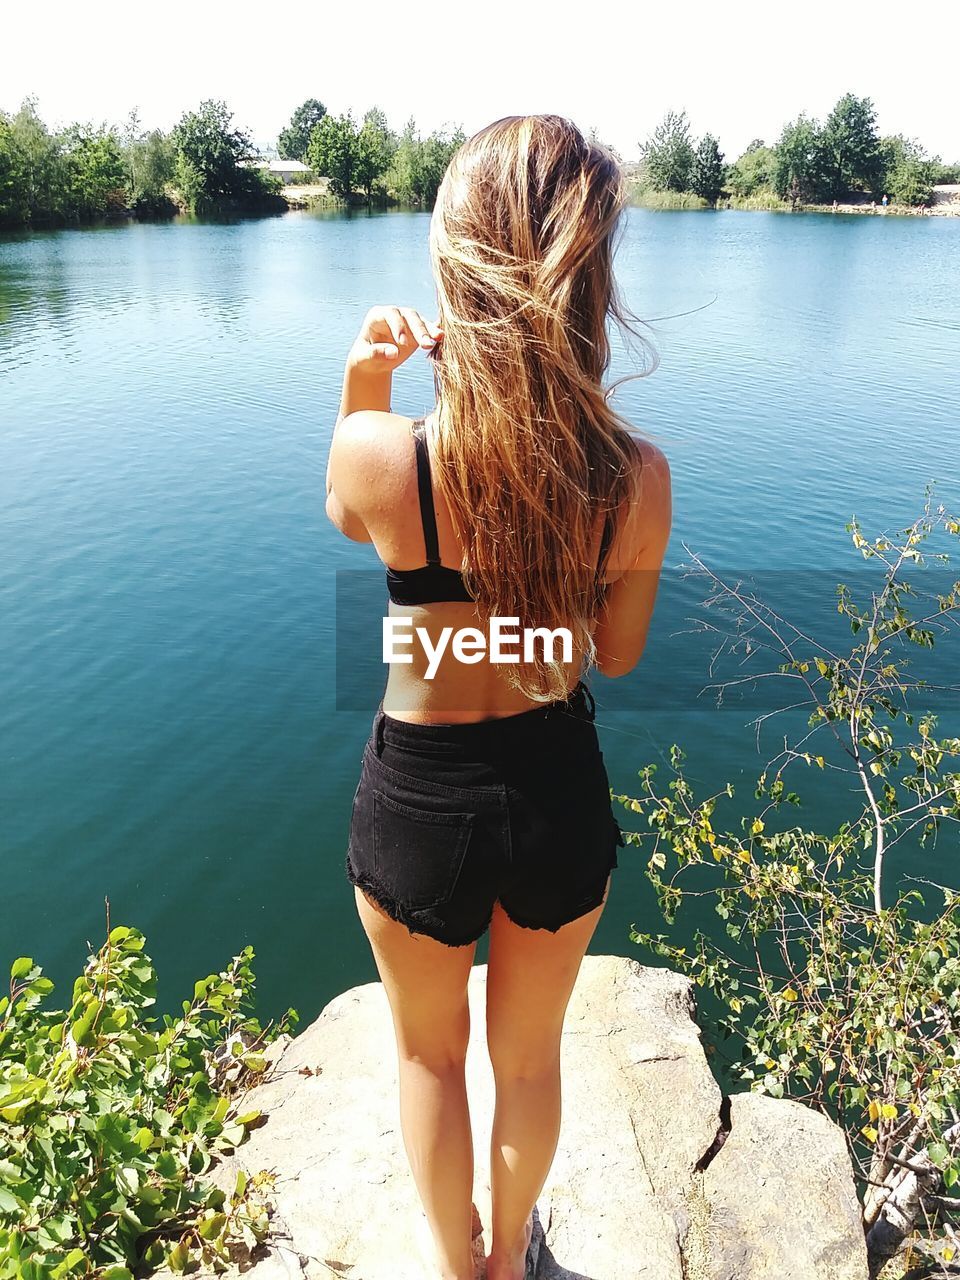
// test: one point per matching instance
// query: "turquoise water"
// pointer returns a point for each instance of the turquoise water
(175, 732)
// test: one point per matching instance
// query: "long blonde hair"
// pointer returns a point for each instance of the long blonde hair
(527, 449)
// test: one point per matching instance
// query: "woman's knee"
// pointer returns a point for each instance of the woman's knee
(514, 1060)
(440, 1046)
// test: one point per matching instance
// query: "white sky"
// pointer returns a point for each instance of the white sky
(740, 69)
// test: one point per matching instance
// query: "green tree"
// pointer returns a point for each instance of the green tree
(13, 206)
(375, 148)
(908, 173)
(210, 156)
(706, 175)
(417, 164)
(799, 171)
(334, 153)
(39, 165)
(668, 154)
(851, 147)
(753, 171)
(436, 152)
(295, 138)
(403, 173)
(95, 172)
(149, 158)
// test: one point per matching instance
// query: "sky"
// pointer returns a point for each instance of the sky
(740, 69)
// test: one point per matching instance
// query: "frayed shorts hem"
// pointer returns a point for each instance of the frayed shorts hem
(416, 924)
(403, 915)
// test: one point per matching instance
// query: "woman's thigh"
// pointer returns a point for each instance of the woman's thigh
(426, 986)
(531, 974)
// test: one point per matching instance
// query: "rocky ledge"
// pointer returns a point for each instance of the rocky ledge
(657, 1176)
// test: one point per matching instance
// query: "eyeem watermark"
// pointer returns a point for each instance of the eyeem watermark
(505, 643)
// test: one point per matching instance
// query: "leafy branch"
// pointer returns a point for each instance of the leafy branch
(828, 994)
(110, 1118)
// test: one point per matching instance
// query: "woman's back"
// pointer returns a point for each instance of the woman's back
(445, 660)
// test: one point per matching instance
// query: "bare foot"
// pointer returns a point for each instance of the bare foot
(511, 1266)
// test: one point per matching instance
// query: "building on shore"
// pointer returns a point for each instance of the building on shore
(286, 170)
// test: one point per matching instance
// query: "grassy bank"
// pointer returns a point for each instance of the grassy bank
(687, 200)
(667, 200)
(768, 202)
(763, 201)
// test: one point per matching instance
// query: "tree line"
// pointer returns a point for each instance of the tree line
(82, 172)
(811, 162)
(367, 156)
(205, 164)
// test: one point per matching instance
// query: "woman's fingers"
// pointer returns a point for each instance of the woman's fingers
(394, 321)
(404, 325)
(422, 332)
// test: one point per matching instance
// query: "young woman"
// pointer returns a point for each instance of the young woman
(483, 800)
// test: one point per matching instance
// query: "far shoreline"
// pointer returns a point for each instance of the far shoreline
(316, 196)
(946, 204)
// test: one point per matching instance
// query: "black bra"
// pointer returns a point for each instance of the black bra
(434, 582)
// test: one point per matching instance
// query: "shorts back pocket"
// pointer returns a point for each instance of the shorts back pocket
(418, 853)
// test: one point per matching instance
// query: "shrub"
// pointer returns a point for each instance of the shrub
(753, 171)
(109, 1119)
(837, 997)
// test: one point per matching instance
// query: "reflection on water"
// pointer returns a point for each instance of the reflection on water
(169, 689)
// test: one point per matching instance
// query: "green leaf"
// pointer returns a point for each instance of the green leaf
(143, 1138)
(128, 1180)
(212, 1227)
(233, 1134)
(83, 1027)
(179, 1256)
(20, 968)
(9, 1202)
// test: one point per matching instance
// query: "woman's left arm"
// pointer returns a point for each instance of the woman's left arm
(387, 338)
(363, 389)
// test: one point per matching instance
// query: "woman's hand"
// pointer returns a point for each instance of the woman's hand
(390, 335)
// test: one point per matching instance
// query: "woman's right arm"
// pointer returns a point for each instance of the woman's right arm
(624, 620)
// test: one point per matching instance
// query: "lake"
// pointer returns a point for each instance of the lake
(176, 732)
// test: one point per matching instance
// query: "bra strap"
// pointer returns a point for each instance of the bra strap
(605, 540)
(428, 517)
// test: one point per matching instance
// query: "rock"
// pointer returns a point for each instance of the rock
(647, 1184)
(807, 1210)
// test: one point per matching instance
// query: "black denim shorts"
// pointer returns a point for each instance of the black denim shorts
(447, 819)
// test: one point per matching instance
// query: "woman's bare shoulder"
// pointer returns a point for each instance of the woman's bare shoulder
(649, 454)
(373, 429)
(372, 448)
(644, 519)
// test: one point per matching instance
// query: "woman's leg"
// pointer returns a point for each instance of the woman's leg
(426, 985)
(530, 977)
